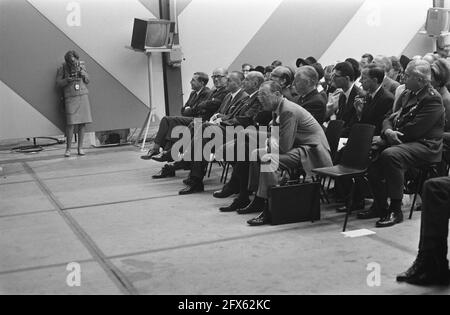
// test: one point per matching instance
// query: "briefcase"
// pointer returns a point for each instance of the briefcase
(294, 203)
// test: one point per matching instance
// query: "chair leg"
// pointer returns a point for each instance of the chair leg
(366, 179)
(422, 176)
(226, 172)
(210, 168)
(350, 205)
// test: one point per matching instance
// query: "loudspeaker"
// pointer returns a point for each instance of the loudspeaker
(154, 33)
(438, 21)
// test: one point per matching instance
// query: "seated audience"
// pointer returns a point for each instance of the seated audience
(234, 111)
(197, 108)
(305, 82)
(302, 143)
(431, 264)
(267, 71)
(411, 137)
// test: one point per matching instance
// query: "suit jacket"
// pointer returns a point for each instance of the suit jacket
(390, 84)
(315, 104)
(245, 114)
(229, 104)
(376, 111)
(420, 119)
(347, 111)
(194, 100)
(301, 135)
(207, 108)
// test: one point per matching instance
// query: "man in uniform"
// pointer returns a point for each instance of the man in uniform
(411, 137)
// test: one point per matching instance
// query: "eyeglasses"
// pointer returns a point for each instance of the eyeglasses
(217, 76)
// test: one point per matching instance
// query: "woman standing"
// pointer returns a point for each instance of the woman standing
(72, 77)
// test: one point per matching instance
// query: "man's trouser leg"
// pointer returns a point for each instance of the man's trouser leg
(435, 215)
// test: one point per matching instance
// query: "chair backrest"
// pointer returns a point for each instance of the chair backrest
(333, 134)
(357, 150)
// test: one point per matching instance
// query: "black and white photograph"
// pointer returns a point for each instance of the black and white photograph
(224, 155)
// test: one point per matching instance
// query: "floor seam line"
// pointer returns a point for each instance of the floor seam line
(113, 273)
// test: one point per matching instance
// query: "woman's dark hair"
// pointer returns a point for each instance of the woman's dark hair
(69, 54)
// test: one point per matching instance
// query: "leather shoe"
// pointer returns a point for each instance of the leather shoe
(257, 205)
(166, 171)
(164, 156)
(259, 220)
(237, 204)
(192, 188)
(391, 219)
(427, 270)
(224, 193)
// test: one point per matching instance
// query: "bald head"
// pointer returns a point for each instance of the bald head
(384, 62)
(220, 77)
(253, 81)
(283, 75)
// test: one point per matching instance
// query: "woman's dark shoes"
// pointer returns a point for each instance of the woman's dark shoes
(224, 193)
(257, 205)
(193, 187)
(164, 156)
(166, 171)
(237, 204)
(391, 219)
(259, 220)
(151, 153)
(427, 269)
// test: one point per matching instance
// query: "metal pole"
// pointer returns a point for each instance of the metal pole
(150, 98)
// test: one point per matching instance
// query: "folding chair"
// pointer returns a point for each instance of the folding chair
(354, 162)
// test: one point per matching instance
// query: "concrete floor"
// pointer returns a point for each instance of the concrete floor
(134, 235)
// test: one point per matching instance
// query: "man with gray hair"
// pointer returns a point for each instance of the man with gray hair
(305, 82)
(410, 137)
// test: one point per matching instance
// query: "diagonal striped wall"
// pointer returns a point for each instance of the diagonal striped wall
(35, 35)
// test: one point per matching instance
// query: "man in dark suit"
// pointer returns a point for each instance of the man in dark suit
(411, 137)
(343, 77)
(378, 101)
(431, 264)
(370, 110)
(305, 82)
(200, 92)
(196, 107)
(239, 179)
(229, 109)
(301, 143)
